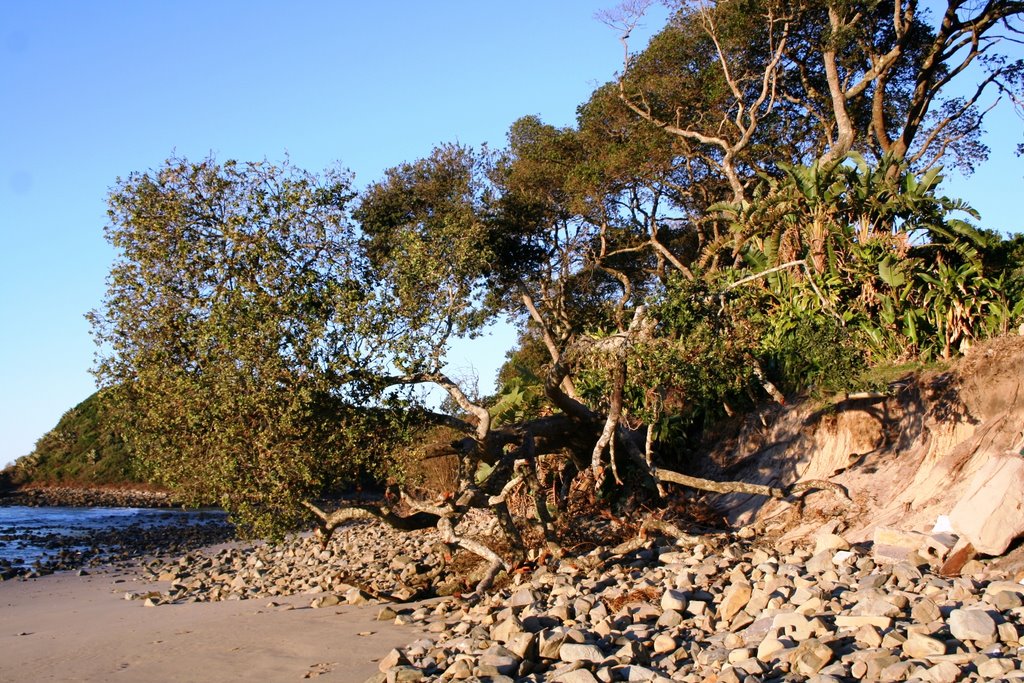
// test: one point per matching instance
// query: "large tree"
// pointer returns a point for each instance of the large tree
(237, 315)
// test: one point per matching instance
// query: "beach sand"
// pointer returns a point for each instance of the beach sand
(66, 627)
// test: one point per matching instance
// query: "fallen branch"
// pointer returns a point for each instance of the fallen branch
(328, 522)
(653, 526)
(446, 528)
(860, 396)
(449, 536)
(795, 491)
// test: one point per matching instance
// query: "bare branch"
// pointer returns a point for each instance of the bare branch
(328, 522)
(796, 490)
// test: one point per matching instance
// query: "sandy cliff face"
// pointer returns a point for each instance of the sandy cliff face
(905, 459)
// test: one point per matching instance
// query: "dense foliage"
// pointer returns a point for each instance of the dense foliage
(752, 210)
(235, 323)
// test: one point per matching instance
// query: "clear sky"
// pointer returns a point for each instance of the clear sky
(90, 91)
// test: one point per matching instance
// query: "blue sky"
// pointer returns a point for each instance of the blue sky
(92, 91)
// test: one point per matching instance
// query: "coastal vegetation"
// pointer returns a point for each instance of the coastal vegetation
(750, 211)
(84, 448)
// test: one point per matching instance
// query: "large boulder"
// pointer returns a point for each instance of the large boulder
(990, 515)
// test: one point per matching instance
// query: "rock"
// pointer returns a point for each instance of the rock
(925, 611)
(669, 618)
(523, 597)
(1003, 587)
(973, 625)
(906, 574)
(1008, 634)
(674, 600)
(671, 557)
(580, 652)
(459, 670)
(1006, 601)
(632, 672)
(795, 624)
(768, 648)
(892, 546)
(920, 646)
(993, 668)
(893, 640)
(329, 600)
(404, 674)
(869, 665)
(504, 664)
(868, 636)
(897, 671)
(630, 651)
(508, 628)
(741, 620)
(729, 675)
(354, 596)
(391, 660)
(972, 567)
(875, 607)
(943, 672)
(962, 553)
(734, 600)
(857, 621)
(386, 614)
(811, 656)
(820, 562)
(832, 542)
(696, 607)
(576, 676)
(990, 514)
(550, 643)
(523, 645)
(664, 643)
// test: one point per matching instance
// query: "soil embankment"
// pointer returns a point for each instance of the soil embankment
(906, 458)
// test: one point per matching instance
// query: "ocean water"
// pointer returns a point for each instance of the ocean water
(38, 534)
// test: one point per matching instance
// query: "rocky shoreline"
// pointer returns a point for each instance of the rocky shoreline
(724, 607)
(78, 496)
(728, 608)
(122, 547)
(89, 549)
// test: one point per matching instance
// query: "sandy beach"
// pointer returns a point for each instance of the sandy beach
(67, 627)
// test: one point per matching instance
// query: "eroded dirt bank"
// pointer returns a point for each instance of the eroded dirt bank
(906, 458)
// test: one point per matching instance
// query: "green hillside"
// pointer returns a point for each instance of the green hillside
(83, 449)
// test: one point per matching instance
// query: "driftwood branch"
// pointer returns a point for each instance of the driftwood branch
(446, 528)
(328, 522)
(796, 490)
(650, 527)
(497, 564)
